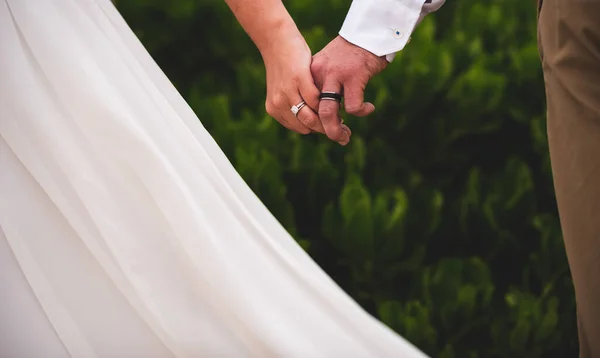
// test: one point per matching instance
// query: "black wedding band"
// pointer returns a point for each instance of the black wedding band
(331, 96)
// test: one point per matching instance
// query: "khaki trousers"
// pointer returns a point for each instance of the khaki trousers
(569, 42)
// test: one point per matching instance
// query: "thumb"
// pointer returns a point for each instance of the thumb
(354, 99)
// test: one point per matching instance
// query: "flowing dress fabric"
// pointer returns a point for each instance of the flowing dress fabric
(124, 230)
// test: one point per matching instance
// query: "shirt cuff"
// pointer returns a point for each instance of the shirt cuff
(382, 27)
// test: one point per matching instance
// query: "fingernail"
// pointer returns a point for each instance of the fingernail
(345, 141)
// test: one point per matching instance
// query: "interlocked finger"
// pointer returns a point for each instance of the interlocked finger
(307, 116)
(291, 122)
(329, 113)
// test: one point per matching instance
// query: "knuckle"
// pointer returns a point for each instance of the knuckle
(327, 111)
(278, 100)
(282, 121)
(309, 121)
(313, 104)
(312, 95)
(317, 65)
(335, 133)
(270, 108)
(275, 102)
(352, 109)
(297, 77)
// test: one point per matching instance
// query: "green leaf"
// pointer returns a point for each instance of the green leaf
(520, 335)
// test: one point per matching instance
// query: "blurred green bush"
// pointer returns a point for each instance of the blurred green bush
(439, 217)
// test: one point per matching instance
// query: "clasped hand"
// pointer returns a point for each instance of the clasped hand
(296, 78)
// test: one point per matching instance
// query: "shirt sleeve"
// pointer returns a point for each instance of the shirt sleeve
(384, 27)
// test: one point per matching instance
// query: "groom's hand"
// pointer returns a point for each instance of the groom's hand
(344, 68)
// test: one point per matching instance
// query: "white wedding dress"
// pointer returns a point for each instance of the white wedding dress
(125, 231)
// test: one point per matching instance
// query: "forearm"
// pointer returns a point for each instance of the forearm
(267, 22)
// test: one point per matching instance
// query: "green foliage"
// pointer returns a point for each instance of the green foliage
(439, 217)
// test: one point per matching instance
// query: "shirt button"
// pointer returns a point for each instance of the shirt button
(398, 34)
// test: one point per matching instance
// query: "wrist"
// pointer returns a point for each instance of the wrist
(373, 61)
(284, 33)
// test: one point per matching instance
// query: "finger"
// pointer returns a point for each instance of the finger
(354, 99)
(329, 114)
(284, 116)
(308, 117)
(346, 129)
(294, 126)
(289, 120)
(347, 135)
(310, 92)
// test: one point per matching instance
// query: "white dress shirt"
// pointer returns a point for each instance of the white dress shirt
(383, 27)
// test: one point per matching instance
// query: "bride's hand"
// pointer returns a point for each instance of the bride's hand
(290, 82)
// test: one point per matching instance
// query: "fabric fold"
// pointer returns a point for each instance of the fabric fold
(128, 223)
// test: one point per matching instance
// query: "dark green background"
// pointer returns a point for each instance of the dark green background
(439, 218)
